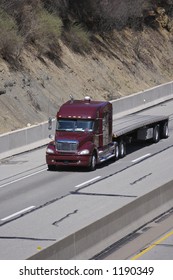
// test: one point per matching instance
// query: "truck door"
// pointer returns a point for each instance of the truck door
(96, 132)
(105, 128)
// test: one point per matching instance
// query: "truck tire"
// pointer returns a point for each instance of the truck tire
(92, 166)
(156, 133)
(122, 149)
(51, 167)
(116, 152)
(165, 130)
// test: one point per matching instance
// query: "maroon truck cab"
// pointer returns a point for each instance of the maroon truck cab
(83, 135)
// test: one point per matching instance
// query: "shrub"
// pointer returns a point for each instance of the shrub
(78, 39)
(46, 31)
(50, 24)
(10, 41)
(101, 15)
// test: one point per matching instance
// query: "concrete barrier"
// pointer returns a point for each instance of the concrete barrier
(142, 100)
(23, 140)
(35, 136)
(94, 238)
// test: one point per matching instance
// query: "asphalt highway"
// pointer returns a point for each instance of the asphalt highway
(26, 185)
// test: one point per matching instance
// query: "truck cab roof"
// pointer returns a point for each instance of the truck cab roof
(85, 109)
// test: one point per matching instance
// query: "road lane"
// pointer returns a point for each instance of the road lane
(21, 178)
(42, 186)
(160, 249)
(152, 242)
(18, 213)
(141, 158)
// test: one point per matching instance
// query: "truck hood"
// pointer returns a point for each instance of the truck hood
(81, 137)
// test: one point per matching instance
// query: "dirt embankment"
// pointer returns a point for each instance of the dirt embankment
(125, 63)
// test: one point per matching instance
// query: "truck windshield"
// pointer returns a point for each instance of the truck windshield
(74, 125)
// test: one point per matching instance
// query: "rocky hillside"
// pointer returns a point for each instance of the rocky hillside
(116, 63)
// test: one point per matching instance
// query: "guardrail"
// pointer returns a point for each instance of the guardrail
(37, 135)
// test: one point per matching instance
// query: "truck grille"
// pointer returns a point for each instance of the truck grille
(66, 146)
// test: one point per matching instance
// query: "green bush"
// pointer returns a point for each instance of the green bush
(51, 24)
(46, 32)
(10, 41)
(78, 39)
(6, 22)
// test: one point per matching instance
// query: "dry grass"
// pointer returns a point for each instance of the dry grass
(46, 32)
(10, 41)
(78, 39)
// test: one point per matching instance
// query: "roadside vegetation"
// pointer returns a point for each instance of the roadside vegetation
(43, 23)
(107, 49)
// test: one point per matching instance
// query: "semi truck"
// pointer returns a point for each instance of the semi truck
(86, 134)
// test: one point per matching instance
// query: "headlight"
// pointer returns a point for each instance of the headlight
(84, 152)
(49, 151)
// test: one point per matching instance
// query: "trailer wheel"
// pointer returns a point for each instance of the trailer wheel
(116, 153)
(156, 134)
(92, 166)
(122, 149)
(165, 130)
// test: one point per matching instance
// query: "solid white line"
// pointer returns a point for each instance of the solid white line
(140, 158)
(89, 181)
(17, 213)
(22, 178)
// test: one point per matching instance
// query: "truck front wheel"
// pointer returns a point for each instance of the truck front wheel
(92, 166)
(51, 167)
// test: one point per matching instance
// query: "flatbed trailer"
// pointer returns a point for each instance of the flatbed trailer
(138, 127)
(129, 123)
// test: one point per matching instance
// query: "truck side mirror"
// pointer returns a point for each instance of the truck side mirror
(50, 123)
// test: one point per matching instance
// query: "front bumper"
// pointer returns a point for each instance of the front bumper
(68, 160)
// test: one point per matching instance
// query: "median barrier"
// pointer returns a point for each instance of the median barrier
(35, 136)
(142, 100)
(23, 140)
(95, 237)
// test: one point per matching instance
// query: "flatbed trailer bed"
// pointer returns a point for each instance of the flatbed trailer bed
(130, 123)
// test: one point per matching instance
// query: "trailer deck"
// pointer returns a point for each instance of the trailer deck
(129, 123)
